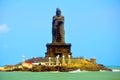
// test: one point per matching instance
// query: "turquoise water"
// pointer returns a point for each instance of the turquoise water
(59, 76)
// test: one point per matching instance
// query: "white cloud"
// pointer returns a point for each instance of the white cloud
(4, 28)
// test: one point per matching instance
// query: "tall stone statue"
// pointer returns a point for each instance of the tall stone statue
(58, 27)
(58, 45)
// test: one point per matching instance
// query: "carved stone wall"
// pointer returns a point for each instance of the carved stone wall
(54, 50)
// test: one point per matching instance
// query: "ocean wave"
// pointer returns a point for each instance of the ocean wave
(75, 71)
(115, 70)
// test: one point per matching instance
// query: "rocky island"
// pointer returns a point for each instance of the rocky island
(41, 64)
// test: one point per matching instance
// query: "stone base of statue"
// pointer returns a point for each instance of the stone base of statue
(58, 49)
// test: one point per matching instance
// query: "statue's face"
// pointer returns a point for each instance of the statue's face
(58, 13)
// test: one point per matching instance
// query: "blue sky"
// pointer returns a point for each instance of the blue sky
(91, 26)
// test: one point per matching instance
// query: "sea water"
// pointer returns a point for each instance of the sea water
(78, 75)
(59, 76)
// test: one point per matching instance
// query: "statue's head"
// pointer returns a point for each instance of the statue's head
(58, 11)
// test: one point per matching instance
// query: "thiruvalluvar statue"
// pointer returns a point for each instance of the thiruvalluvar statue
(58, 27)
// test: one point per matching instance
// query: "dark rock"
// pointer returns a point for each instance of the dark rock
(102, 67)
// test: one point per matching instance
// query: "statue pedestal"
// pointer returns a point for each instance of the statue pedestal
(55, 49)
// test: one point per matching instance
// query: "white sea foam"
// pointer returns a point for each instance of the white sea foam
(103, 70)
(54, 71)
(116, 70)
(78, 70)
